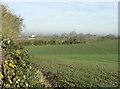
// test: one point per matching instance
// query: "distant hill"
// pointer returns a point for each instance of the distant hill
(50, 34)
(35, 33)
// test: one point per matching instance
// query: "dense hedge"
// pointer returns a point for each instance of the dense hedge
(17, 71)
(56, 42)
(37, 42)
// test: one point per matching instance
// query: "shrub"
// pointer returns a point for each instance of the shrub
(38, 42)
(27, 43)
(17, 71)
(52, 42)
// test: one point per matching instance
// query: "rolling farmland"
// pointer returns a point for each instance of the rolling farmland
(78, 65)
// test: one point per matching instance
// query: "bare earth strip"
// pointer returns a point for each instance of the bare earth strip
(41, 78)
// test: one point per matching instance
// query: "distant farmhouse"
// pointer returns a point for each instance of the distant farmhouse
(33, 36)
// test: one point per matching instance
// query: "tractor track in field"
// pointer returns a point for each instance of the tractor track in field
(48, 78)
(41, 78)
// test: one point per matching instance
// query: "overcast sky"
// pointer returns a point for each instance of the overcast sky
(64, 17)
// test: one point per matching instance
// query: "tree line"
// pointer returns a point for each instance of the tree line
(11, 23)
(70, 38)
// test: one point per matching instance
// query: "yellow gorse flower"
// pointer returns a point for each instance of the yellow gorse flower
(8, 77)
(12, 65)
(14, 79)
(6, 85)
(18, 52)
(6, 62)
(18, 80)
(5, 66)
(18, 86)
(1, 75)
(24, 76)
(11, 61)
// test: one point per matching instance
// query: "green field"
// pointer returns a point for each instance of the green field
(90, 64)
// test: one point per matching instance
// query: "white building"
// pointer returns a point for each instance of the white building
(33, 35)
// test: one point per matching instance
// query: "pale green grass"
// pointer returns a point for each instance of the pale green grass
(91, 64)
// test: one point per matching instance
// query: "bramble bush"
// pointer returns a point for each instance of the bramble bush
(17, 71)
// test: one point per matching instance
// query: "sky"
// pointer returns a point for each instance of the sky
(64, 17)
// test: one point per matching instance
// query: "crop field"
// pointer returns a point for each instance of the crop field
(78, 65)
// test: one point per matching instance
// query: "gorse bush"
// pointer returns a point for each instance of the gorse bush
(16, 68)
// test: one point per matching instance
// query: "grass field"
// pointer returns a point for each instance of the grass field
(90, 64)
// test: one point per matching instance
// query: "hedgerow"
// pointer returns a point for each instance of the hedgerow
(17, 71)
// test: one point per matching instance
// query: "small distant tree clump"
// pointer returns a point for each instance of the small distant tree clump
(109, 36)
